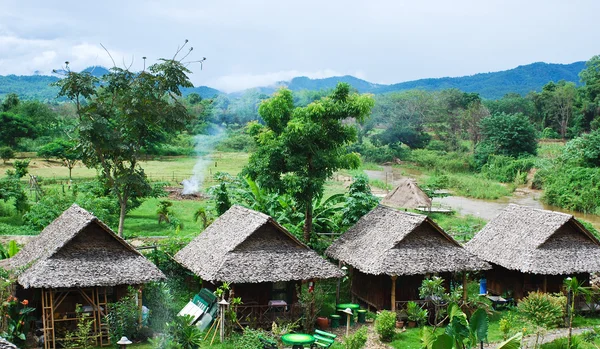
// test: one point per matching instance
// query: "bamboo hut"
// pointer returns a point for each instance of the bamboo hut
(261, 260)
(390, 252)
(77, 259)
(532, 249)
(407, 195)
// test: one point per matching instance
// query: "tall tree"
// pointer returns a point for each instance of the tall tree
(63, 150)
(125, 113)
(299, 148)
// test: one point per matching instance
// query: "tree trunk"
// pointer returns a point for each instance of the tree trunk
(308, 221)
(70, 169)
(122, 216)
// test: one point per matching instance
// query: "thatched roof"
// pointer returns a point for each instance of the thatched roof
(392, 242)
(537, 241)
(78, 250)
(407, 195)
(245, 246)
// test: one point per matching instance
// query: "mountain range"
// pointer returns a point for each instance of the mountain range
(522, 80)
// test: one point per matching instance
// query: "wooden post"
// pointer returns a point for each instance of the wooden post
(394, 277)
(545, 283)
(465, 287)
(140, 309)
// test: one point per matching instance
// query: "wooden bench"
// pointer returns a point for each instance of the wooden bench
(323, 339)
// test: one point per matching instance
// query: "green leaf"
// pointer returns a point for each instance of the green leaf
(479, 325)
(513, 342)
(443, 341)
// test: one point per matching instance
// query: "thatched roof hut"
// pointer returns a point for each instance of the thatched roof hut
(78, 250)
(245, 246)
(392, 242)
(407, 195)
(388, 247)
(538, 242)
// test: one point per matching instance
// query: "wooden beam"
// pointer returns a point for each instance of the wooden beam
(394, 277)
(465, 284)
(545, 283)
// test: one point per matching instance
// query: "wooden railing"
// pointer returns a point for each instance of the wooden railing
(262, 316)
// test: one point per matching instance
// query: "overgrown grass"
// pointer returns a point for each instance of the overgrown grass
(462, 228)
(378, 183)
(471, 185)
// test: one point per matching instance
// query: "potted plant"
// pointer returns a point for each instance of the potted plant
(415, 314)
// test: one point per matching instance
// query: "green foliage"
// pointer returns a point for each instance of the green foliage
(250, 338)
(123, 316)
(125, 114)
(159, 298)
(163, 211)
(180, 334)
(21, 168)
(357, 340)
(460, 332)
(237, 140)
(385, 325)
(508, 134)
(415, 313)
(221, 196)
(6, 153)
(507, 169)
(14, 128)
(473, 186)
(16, 317)
(299, 148)
(583, 151)
(358, 202)
(12, 190)
(10, 250)
(63, 150)
(452, 162)
(311, 303)
(573, 188)
(82, 337)
(543, 310)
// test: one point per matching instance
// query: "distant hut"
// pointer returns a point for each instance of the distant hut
(532, 249)
(261, 260)
(407, 195)
(390, 252)
(77, 259)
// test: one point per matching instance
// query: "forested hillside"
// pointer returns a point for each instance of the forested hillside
(521, 80)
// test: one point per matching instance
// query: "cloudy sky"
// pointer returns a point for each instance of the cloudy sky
(256, 43)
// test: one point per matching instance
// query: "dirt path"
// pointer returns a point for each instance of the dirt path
(529, 341)
(373, 341)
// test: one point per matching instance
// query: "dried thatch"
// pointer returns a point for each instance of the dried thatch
(537, 241)
(392, 242)
(407, 195)
(78, 250)
(245, 246)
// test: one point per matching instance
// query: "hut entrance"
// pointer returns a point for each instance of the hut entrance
(59, 316)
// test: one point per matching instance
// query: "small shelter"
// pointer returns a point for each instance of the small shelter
(77, 259)
(390, 252)
(261, 260)
(532, 249)
(407, 195)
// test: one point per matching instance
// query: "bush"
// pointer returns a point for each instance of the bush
(159, 299)
(250, 339)
(6, 153)
(542, 309)
(573, 188)
(357, 340)
(453, 162)
(506, 169)
(123, 316)
(550, 133)
(385, 325)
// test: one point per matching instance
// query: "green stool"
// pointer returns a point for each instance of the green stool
(362, 316)
(335, 321)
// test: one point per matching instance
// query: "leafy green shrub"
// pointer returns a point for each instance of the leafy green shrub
(506, 169)
(584, 150)
(573, 188)
(357, 340)
(385, 325)
(437, 145)
(82, 337)
(542, 309)
(237, 141)
(378, 154)
(6, 153)
(453, 162)
(415, 313)
(123, 316)
(16, 318)
(550, 133)
(157, 296)
(250, 339)
(476, 187)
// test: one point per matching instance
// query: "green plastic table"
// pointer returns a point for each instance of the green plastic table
(297, 340)
(342, 306)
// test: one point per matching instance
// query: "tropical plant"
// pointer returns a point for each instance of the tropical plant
(123, 316)
(415, 313)
(250, 339)
(10, 250)
(6, 153)
(82, 337)
(311, 301)
(464, 334)
(164, 211)
(359, 201)
(542, 310)
(385, 325)
(16, 316)
(575, 289)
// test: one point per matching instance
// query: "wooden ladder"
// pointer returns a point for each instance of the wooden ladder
(103, 328)
(48, 318)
